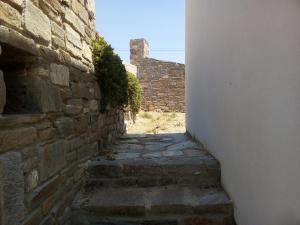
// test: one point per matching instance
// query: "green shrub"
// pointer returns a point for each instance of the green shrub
(135, 94)
(111, 74)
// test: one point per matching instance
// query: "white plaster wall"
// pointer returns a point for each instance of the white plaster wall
(131, 68)
(243, 101)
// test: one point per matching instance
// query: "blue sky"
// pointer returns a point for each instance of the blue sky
(161, 22)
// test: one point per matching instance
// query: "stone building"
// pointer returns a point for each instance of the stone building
(49, 100)
(163, 82)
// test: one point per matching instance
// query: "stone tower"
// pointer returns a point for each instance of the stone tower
(139, 50)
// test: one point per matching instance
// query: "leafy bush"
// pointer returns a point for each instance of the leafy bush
(135, 94)
(111, 74)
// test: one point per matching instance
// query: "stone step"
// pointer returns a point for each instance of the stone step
(202, 171)
(205, 219)
(169, 204)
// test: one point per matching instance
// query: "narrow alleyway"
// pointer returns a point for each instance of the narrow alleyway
(164, 179)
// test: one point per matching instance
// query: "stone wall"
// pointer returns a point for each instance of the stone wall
(49, 99)
(163, 82)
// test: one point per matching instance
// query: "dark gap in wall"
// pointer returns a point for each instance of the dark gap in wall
(13, 64)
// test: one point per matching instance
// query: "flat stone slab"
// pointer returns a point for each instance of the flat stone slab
(168, 200)
(128, 155)
(162, 149)
(12, 188)
(145, 146)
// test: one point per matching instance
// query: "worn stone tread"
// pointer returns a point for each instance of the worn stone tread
(155, 160)
(206, 219)
(153, 201)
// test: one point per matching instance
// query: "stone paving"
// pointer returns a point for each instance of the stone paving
(154, 179)
(143, 147)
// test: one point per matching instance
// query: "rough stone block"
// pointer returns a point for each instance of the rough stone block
(41, 193)
(80, 90)
(34, 218)
(30, 164)
(57, 30)
(72, 110)
(49, 221)
(46, 96)
(15, 138)
(76, 52)
(36, 22)
(73, 37)
(76, 102)
(57, 42)
(79, 174)
(52, 158)
(75, 6)
(2, 92)
(50, 54)
(74, 21)
(29, 152)
(71, 156)
(51, 8)
(65, 126)
(47, 134)
(10, 15)
(12, 180)
(76, 143)
(17, 40)
(1, 197)
(91, 7)
(59, 74)
(65, 218)
(44, 125)
(83, 14)
(87, 52)
(82, 1)
(38, 69)
(18, 3)
(205, 221)
(89, 35)
(78, 64)
(48, 204)
(73, 44)
(32, 180)
(94, 105)
(84, 152)
(81, 125)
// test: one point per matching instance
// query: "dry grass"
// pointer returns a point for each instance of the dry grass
(158, 123)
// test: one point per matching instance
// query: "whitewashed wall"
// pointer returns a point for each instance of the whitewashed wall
(243, 101)
(131, 68)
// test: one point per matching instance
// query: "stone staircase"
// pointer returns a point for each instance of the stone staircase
(154, 180)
